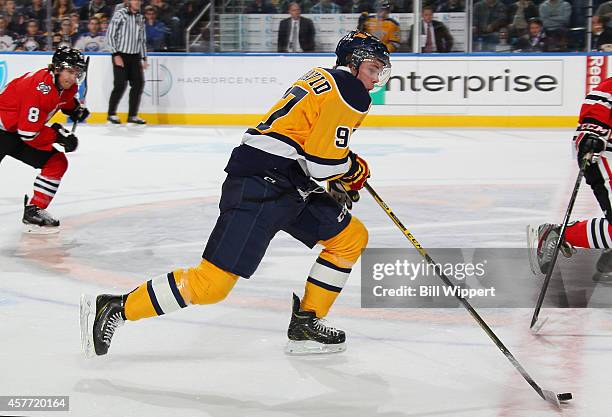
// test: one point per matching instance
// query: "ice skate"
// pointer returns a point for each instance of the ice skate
(136, 121)
(541, 241)
(309, 334)
(113, 120)
(37, 220)
(100, 318)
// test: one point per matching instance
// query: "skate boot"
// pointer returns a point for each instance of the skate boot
(604, 267)
(309, 334)
(113, 120)
(604, 263)
(136, 121)
(100, 318)
(541, 243)
(37, 220)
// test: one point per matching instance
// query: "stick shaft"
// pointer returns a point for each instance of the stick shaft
(462, 300)
(568, 213)
(74, 122)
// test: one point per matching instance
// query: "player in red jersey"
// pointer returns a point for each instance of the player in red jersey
(26, 105)
(592, 137)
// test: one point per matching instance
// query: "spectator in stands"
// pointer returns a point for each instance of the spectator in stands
(503, 44)
(604, 9)
(604, 38)
(103, 19)
(283, 5)
(66, 36)
(33, 40)
(489, 17)
(10, 8)
(362, 6)
(92, 41)
(18, 23)
(76, 23)
(381, 25)
(296, 33)
(36, 10)
(325, 7)
(120, 5)
(94, 7)
(535, 40)
(435, 36)
(555, 14)
(260, 7)
(402, 6)
(602, 34)
(167, 15)
(345, 5)
(79, 4)
(451, 6)
(15, 18)
(7, 39)
(520, 14)
(188, 11)
(62, 9)
(156, 30)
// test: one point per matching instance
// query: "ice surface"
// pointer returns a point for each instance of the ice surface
(137, 203)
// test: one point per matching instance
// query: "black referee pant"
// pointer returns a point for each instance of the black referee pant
(131, 71)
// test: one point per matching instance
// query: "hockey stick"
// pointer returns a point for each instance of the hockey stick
(74, 122)
(549, 396)
(568, 212)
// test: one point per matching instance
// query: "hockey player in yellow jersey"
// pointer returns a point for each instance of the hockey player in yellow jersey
(269, 187)
(381, 25)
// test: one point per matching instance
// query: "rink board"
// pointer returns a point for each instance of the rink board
(450, 90)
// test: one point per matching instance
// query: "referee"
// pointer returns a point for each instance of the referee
(127, 41)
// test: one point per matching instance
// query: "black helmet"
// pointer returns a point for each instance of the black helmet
(67, 57)
(358, 46)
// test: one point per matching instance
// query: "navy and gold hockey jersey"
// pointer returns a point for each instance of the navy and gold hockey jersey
(311, 124)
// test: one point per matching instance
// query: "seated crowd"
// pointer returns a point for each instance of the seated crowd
(498, 25)
(530, 26)
(83, 24)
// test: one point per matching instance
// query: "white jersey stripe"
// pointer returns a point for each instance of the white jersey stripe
(589, 234)
(279, 148)
(605, 104)
(602, 94)
(601, 233)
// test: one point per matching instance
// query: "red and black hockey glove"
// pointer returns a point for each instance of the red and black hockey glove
(65, 138)
(591, 138)
(357, 175)
(79, 113)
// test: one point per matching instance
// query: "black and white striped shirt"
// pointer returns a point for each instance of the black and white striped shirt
(126, 33)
